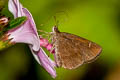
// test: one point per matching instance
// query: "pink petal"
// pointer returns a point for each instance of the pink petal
(47, 63)
(27, 33)
(12, 7)
(15, 8)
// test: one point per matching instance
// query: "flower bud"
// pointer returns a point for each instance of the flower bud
(3, 22)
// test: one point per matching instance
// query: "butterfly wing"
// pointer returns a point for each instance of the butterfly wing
(72, 51)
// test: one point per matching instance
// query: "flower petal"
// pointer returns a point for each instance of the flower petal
(28, 14)
(47, 63)
(27, 33)
(12, 7)
(15, 8)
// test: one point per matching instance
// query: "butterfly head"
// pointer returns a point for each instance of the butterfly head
(55, 29)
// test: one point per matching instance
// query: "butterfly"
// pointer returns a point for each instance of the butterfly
(71, 51)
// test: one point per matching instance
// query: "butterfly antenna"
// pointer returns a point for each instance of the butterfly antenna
(56, 22)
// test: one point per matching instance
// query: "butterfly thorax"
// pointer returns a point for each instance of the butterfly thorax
(55, 34)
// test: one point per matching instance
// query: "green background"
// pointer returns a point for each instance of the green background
(96, 20)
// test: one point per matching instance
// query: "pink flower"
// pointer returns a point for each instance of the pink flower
(27, 33)
(44, 43)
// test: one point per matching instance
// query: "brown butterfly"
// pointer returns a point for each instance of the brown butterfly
(71, 51)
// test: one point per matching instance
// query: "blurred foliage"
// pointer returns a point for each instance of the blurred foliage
(96, 20)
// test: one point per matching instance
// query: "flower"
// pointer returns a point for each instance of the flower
(27, 33)
(3, 21)
(44, 43)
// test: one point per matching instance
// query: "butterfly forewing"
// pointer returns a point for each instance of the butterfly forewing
(72, 51)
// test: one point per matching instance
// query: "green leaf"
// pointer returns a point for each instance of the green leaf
(16, 22)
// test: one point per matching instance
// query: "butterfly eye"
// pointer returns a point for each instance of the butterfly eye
(55, 29)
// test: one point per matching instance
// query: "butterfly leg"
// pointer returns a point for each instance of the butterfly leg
(44, 33)
(52, 49)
